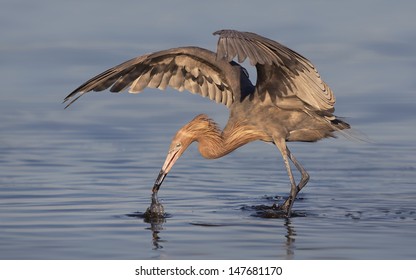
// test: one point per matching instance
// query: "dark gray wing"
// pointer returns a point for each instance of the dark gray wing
(189, 68)
(282, 74)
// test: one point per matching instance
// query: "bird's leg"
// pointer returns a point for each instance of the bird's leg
(305, 176)
(303, 181)
(286, 154)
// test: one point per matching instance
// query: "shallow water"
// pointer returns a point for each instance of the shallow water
(74, 183)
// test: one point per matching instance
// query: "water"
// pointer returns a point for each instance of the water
(74, 183)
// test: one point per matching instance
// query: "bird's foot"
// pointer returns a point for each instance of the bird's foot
(274, 211)
(285, 207)
(281, 209)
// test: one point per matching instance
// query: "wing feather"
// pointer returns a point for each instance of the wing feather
(281, 72)
(189, 68)
(140, 83)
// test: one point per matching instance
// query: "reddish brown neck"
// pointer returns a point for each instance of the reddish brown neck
(215, 144)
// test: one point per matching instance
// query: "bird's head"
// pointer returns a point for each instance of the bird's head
(180, 142)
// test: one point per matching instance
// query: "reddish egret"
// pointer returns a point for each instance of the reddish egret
(290, 101)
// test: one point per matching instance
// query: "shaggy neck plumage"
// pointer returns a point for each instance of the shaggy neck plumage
(214, 143)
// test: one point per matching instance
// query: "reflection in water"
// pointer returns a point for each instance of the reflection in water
(155, 216)
(290, 239)
(156, 228)
(273, 212)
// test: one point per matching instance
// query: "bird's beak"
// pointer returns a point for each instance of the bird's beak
(171, 158)
(159, 180)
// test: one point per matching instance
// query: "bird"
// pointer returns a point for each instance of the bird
(289, 101)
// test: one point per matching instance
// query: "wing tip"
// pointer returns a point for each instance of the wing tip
(219, 32)
(72, 97)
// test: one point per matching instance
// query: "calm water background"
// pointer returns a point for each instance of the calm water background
(74, 182)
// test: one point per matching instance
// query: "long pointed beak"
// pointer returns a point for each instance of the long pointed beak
(171, 158)
(159, 181)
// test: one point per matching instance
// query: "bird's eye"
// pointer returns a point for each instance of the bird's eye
(178, 145)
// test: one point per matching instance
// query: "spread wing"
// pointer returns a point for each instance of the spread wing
(189, 68)
(286, 76)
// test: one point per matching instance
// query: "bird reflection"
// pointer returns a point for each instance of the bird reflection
(290, 239)
(274, 212)
(156, 240)
(155, 215)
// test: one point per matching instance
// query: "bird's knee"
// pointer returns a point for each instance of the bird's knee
(303, 181)
(305, 177)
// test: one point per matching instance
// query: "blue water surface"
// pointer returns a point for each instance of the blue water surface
(74, 183)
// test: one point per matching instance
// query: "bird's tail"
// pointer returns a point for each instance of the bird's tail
(339, 124)
(342, 127)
